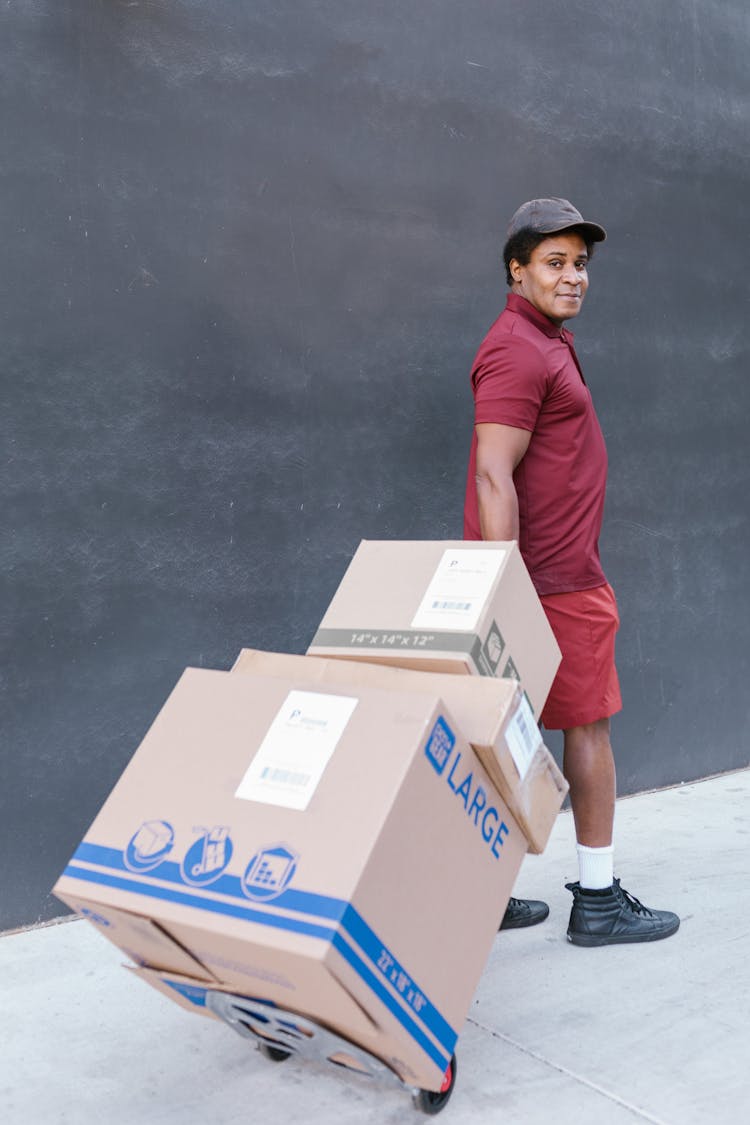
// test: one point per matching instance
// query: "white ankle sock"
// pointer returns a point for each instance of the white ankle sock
(595, 867)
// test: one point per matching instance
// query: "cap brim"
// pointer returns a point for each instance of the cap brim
(592, 230)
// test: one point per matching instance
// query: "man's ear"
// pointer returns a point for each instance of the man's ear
(515, 269)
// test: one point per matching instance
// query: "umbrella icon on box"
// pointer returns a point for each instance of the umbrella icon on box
(150, 845)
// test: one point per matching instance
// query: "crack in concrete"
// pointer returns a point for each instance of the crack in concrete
(609, 1094)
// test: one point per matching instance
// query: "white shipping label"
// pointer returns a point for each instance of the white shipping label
(296, 749)
(459, 589)
(523, 737)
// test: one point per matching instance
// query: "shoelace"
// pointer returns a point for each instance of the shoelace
(631, 901)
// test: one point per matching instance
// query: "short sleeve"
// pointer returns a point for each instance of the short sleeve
(509, 380)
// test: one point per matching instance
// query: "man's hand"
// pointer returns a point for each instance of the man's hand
(499, 451)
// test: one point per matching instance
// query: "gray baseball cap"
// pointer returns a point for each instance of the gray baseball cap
(548, 216)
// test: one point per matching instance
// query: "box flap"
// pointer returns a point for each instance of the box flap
(147, 943)
(478, 704)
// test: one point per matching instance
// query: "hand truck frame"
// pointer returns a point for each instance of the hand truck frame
(278, 1034)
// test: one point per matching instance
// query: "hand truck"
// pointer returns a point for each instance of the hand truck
(278, 1034)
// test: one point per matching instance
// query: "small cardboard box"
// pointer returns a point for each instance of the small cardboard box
(449, 606)
(493, 715)
(341, 853)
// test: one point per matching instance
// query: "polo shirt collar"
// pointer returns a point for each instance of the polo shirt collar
(524, 308)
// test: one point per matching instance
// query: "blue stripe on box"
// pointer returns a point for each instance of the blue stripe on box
(191, 992)
(199, 902)
(304, 902)
(392, 971)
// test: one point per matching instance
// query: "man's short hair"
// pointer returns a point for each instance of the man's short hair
(524, 242)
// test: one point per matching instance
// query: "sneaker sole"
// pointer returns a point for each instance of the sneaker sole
(522, 925)
(590, 940)
(533, 920)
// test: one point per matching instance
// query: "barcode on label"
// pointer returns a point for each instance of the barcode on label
(459, 607)
(525, 731)
(523, 738)
(285, 777)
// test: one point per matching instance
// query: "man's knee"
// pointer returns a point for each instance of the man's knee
(589, 735)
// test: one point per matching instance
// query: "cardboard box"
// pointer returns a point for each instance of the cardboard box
(340, 853)
(493, 715)
(449, 606)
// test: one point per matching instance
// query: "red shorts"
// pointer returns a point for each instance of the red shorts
(586, 687)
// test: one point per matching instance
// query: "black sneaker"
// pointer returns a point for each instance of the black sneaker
(613, 917)
(522, 912)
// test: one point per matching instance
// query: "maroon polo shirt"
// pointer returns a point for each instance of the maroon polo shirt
(526, 374)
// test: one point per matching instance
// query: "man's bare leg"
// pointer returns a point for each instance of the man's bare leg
(589, 766)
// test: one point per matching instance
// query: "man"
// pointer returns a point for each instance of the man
(537, 473)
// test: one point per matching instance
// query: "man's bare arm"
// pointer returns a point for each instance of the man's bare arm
(499, 451)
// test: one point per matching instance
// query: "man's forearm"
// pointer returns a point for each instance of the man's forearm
(498, 507)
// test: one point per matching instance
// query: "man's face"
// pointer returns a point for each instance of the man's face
(555, 280)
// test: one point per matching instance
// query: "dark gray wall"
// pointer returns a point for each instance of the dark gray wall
(249, 249)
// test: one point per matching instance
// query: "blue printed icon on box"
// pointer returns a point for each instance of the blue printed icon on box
(206, 859)
(439, 744)
(151, 844)
(269, 872)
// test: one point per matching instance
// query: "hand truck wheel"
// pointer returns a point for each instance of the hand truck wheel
(432, 1101)
(273, 1054)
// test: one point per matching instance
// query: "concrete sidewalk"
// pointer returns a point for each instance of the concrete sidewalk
(657, 1033)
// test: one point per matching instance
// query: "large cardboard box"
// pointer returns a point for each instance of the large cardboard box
(341, 853)
(448, 606)
(492, 714)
